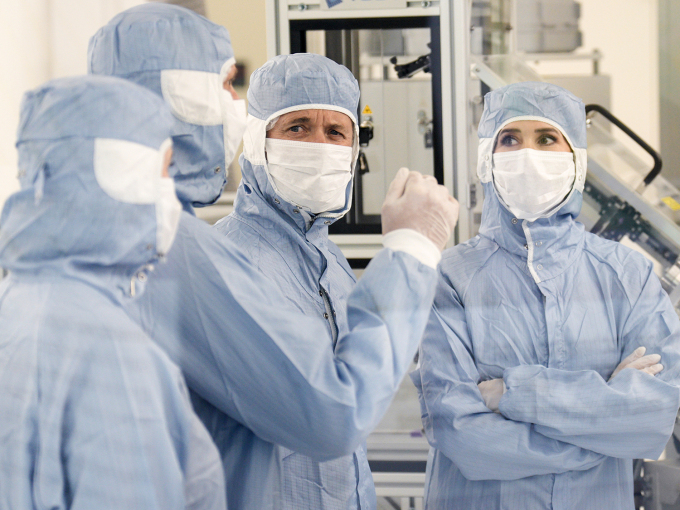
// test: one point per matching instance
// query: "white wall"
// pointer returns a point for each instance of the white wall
(669, 88)
(626, 32)
(24, 40)
(41, 40)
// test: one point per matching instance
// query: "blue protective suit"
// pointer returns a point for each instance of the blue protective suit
(552, 310)
(258, 374)
(137, 45)
(94, 414)
(292, 250)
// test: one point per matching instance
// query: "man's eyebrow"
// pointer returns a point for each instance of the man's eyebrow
(298, 120)
(339, 127)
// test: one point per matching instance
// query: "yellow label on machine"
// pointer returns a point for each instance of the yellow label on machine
(367, 110)
(672, 203)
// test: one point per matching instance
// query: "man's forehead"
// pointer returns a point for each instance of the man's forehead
(314, 114)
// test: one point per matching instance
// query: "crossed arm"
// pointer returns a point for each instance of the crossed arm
(549, 421)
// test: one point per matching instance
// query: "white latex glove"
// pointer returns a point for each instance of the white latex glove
(419, 203)
(492, 391)
(637, 360)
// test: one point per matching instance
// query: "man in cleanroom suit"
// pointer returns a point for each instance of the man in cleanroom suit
(94, 414)
(258, 374)
(300, 149)
(189, 61)
(531, 393)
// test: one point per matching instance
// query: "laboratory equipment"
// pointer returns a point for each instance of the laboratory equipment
(659, 481)
(404, 54)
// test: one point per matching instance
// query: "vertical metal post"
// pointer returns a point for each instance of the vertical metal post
(455, 17)
(271, 9)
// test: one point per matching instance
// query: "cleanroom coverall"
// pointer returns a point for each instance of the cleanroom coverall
(291, 248)
(258, 373)
(94, 415)
(565, 436)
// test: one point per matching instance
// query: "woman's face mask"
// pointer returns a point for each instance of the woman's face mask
(533, 168)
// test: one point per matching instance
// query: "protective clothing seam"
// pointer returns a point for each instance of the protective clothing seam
(350, 273)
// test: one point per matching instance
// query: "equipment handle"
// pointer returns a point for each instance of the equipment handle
(656, 169)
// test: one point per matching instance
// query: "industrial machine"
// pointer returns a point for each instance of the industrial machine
(404, 55)
(658, 482)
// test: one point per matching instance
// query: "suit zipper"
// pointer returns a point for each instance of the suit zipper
(329, 314)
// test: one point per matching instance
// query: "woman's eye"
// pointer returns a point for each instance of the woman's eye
(546, 140)
(508, 140)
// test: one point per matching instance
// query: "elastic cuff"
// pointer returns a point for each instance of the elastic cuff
(415, 244)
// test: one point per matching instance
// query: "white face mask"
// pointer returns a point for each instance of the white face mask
(199, 98)
(533, 183)
(313, 176)
(131, 173)
(168, 212)
(234, 125)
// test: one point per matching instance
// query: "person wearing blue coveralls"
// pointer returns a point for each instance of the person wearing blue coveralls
(94, 414)
(259, 375)
(300, 150)
(533, 386)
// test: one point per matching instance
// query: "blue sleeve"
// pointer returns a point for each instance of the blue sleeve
(633, 415)
(261, 363)
(484, 445)
(204, 476)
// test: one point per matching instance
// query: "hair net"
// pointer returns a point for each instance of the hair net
(291, 81)
(142, 42)
(63, 216)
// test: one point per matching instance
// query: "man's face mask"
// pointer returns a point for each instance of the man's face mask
(199, 98)
(132, 173)
(532, 183)
(313, 176)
